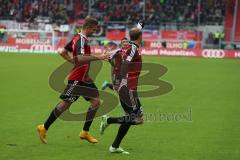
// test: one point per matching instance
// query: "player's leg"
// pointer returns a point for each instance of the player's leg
(133, 113)
(91, 96)
(131, 105)
(56, 112)
(92, 110)
(128, 119)
(67, 99)
(133, 117)
(122, 131)
(125, 121)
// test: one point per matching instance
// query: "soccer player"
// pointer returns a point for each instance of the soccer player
(79, 81)
(115, 60)
(130, 71)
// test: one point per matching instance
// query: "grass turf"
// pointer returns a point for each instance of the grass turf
(208, 87)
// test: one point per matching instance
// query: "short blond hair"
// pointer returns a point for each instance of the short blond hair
(135, 33)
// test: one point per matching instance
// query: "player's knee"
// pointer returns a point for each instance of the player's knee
(139, 120)
(137, 123)
(63, 105)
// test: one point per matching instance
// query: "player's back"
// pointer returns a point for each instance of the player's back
(134, 60)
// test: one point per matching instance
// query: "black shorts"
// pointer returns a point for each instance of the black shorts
(131, 103)
(75, 89)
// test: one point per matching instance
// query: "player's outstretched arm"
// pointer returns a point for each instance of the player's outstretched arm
(113, 55)
(84, 58)
(65, 55)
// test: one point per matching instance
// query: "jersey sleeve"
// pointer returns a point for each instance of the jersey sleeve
(114, 53)
(68, 47)
(80, 46)
(131, 53)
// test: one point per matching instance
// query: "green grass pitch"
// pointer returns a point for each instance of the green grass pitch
(210, 88)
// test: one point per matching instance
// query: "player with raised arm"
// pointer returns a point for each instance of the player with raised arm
(117, 58)
(79, 81)
(130, 71)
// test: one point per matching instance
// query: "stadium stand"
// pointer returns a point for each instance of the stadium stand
(156, 11)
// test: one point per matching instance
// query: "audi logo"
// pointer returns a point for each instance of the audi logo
(237, 54)
(42, 48)
(212, 53)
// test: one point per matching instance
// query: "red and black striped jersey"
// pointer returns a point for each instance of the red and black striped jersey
(79, 46)
(134, 61)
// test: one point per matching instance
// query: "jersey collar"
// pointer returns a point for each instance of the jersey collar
(131, 42)
(82, 35)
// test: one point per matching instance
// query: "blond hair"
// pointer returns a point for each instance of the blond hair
(135, 33)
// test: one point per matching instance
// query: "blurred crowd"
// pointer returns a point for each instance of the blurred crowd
(210, 11)
(154, 12)
(163, 11)
(60, 11)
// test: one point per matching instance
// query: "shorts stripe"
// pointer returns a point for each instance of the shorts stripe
(71, 88)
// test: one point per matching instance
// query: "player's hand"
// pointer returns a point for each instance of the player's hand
(104, 56)
(71, 61)
(140, 24)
